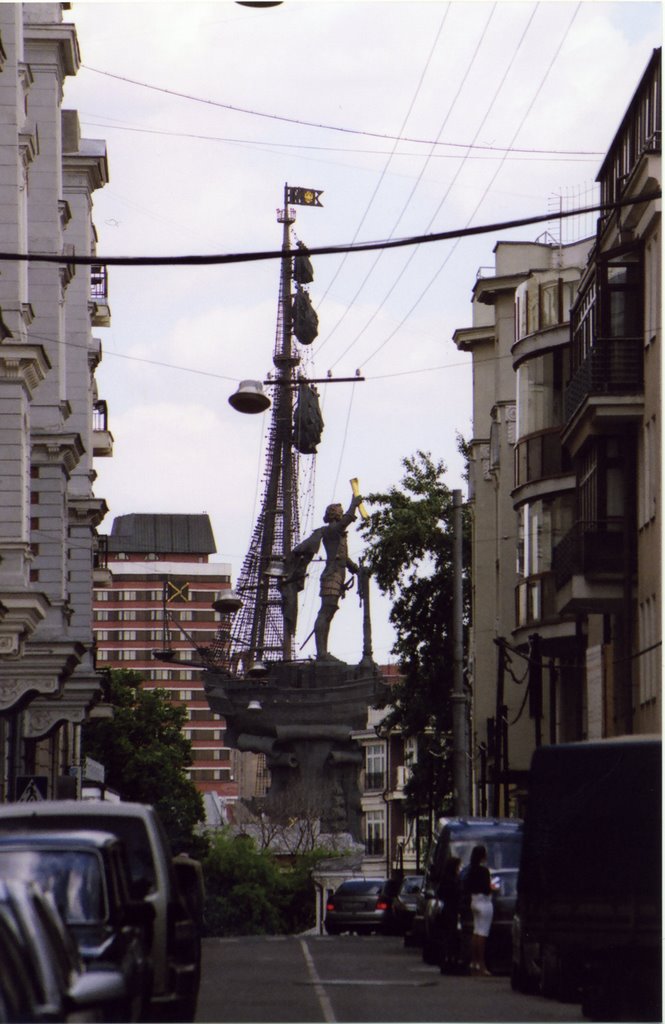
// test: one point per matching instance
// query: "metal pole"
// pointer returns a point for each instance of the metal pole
(498, 730)
(460, 752)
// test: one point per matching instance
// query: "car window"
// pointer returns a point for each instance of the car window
(73, 877)
(132, 831)
(360, 887)
(502, 851)
(410, 886)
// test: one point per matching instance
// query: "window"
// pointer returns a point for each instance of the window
(652, 303)
(649, 658)
(375, 833)
(648, 473)
(375, 766)
(621, 297)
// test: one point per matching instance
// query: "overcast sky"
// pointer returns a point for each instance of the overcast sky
(209, 108)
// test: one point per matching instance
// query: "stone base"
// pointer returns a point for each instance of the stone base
(303, 726)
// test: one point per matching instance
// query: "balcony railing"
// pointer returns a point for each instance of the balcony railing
(590, 549)
(375, 846)
(99, 291)
(614, 366)
(101, 552)
(100, 415)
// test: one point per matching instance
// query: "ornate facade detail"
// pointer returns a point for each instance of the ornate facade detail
(15, 688)
(39, 719)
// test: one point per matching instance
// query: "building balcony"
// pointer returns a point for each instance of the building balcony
(589, 566)
(102, 438)
(99, 298)
(613, 367)
(101, 574)
(540, 456)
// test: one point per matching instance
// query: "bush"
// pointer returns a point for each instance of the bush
(248, 893)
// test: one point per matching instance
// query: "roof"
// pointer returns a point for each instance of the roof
(165, 533)
(69, 840)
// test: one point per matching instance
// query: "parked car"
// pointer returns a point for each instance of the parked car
(87, 874)
(359, 905)
(172, 885)
(42, 978)
(456, 838)
(404, 905)
(588, 923)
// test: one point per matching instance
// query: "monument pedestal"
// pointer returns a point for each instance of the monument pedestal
(301, 718)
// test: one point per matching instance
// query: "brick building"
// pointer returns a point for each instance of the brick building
(153, 614)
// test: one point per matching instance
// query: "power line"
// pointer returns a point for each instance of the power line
(489, 184)
(489, 109)
(328, 127)
(451, 107)
(534, 157)
(383, 174)
(216, 259)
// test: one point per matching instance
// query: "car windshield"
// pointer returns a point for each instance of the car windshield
(503, 852)
(72, 877)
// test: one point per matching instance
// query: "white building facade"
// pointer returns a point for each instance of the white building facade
(50, 426)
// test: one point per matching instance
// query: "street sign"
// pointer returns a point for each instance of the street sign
(31, 788)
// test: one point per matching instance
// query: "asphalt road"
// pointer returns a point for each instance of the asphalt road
(351, 978)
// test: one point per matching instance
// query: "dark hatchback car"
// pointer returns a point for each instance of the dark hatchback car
(360, 905)
(87, 875)
(42, 978)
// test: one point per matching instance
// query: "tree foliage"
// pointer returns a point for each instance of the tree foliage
(410, 552)
(249, 893)
(145, 754)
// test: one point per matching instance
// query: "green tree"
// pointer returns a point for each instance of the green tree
(410, 554)
(249, 893)
(145, 754)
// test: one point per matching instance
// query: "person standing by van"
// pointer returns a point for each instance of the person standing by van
(478, 884)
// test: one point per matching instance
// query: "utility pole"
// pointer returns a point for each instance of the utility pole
(459, 698)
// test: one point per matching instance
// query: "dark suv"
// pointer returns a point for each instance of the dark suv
(502, 838)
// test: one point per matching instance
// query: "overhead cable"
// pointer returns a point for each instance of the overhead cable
(321, 250)
(327, 127)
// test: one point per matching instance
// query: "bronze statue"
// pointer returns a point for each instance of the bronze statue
(333, 577)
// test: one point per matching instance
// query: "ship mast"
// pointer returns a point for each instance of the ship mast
(258, 634)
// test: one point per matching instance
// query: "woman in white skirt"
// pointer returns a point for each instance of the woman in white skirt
(479, 886)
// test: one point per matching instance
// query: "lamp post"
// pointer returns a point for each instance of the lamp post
(458, 697)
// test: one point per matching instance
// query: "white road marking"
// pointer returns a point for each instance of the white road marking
(324, 1002)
